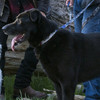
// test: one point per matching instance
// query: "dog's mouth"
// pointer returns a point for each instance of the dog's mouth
(17, 40)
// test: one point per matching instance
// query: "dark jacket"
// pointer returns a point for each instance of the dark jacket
(42, 5)
(2, 2)
(86, 2)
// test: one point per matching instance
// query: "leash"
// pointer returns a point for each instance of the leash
(92, 15)
(68, 23)
(70, 10)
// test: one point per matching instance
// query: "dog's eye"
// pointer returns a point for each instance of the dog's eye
(19, 21)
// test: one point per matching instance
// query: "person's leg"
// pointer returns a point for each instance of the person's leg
(92, 87)
(3, 48)
(28, 65)
(93, 24)
(24, 74)
(78, 21)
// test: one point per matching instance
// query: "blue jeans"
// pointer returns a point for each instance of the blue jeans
(92, 87)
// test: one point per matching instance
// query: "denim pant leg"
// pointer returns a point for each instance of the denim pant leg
(93, 25)
(78, 21)
(92, 87)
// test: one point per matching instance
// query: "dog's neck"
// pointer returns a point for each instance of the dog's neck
(48, 38)
(49, 30)
(44, 28)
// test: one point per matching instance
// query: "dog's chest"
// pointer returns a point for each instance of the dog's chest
(49, 68)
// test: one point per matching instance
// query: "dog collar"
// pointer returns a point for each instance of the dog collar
(48, 38)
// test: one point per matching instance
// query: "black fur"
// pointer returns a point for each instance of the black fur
(68, 58)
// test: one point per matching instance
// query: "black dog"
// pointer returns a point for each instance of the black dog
(68, 58)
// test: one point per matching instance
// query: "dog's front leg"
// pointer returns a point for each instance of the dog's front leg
(58, 90)
(68, 89)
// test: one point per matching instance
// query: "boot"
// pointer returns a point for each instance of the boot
(28, 92)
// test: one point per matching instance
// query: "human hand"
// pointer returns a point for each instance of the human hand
(43, 14)
(71, 2)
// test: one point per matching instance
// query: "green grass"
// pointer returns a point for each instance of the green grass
(38, 83)
(8, 84)
(80, 91)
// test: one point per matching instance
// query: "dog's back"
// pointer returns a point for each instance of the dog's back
(77, 49)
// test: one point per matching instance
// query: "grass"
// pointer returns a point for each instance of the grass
(38, 83)
(8, 84)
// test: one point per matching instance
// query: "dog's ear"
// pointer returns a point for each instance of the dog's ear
(34, 15)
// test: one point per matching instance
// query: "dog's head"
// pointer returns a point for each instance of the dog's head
(25, 27)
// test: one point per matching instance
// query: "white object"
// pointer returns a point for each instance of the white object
(0, 51)
(0, 80)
